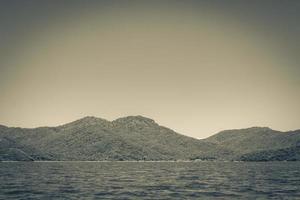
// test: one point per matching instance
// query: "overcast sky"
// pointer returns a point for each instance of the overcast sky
(197, 67)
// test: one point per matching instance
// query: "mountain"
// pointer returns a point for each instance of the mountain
(138, 138)
(255, 139)
(286, 154)
(91, 138)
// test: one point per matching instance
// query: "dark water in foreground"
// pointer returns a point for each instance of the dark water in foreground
(149, 180)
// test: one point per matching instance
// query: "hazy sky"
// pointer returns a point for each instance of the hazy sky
(197, 67)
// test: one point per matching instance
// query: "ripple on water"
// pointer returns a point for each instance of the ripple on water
(130, 180)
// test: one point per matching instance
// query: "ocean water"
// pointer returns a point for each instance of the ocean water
(149, 180)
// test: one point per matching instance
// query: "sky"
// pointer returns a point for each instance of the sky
(197, 67)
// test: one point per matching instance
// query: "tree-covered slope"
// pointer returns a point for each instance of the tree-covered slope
(242, 141)
(138, 138)
(286, 154)
(90, 138)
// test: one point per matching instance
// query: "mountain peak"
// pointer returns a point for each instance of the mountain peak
(135, 121)
(259, 128)
(250, 129)
(86, 121)
(89, 118)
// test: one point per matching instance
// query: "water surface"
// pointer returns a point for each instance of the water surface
(149, 180)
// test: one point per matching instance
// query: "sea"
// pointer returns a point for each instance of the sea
(149, 180)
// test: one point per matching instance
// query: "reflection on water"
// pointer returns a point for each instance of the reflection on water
(149, 180)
